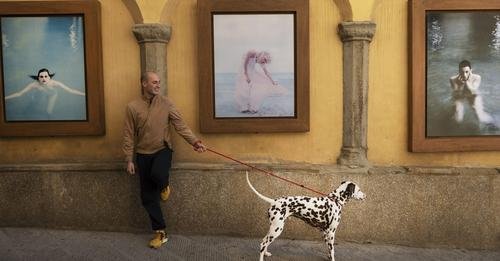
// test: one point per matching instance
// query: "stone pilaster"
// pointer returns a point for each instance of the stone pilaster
(356, 38)
(153, 39)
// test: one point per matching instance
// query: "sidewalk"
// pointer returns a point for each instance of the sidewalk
(43, 244)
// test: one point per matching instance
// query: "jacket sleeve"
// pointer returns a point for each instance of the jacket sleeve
(180, 126)
(128, 134)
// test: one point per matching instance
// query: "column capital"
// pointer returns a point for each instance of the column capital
(356, 31)
(152, 33)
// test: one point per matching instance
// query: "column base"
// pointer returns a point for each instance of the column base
(353, 158)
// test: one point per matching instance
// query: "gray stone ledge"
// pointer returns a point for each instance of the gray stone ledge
(322, 169)
(63, 167)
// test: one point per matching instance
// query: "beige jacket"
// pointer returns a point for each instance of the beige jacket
(147, 126)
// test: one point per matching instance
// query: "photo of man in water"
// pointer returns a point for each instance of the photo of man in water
(462, 101)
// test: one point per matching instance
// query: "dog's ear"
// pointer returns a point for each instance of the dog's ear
(350, 190)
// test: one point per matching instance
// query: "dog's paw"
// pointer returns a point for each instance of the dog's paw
(268, 254)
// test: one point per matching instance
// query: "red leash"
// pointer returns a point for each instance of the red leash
(268, 173)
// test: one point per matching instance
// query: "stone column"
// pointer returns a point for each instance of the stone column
(356, 37)
(153, 39)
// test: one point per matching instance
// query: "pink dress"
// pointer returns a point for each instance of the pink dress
(250, 95)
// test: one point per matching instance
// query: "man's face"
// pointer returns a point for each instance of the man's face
(465, 72)
(152, 85)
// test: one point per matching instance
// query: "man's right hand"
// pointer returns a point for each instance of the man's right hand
(461, 78)
(130, 168)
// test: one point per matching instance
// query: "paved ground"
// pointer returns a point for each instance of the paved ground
(41, 244)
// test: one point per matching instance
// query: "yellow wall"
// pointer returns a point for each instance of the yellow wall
(387, 125)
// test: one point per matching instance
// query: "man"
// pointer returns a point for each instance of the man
(465, 88)
(147, 130)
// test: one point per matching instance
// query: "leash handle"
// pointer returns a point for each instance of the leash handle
(267, 172)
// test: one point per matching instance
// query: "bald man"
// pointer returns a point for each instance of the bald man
(147, 131)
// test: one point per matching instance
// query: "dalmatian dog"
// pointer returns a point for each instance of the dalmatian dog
(320, 212)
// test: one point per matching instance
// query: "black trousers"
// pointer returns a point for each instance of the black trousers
(154, 171)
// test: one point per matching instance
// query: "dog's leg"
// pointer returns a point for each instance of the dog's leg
(263, 248)
(274, 231)
(330, 240)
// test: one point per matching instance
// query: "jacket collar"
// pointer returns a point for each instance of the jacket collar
(149, 100)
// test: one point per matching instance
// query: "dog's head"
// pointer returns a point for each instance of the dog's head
(348, 190)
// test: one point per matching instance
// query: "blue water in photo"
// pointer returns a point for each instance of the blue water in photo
(272, 106)
(32, 43)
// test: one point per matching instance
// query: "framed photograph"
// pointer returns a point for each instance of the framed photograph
(51, 68)
(253, 65)
(455, 79)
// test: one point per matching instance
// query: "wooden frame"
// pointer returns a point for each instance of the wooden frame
(439, 42)
(212, 14)
(83, 66)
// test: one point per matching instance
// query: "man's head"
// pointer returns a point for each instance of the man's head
(464, 69)
(150, 82)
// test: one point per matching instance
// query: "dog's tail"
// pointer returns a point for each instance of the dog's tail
(268, 200)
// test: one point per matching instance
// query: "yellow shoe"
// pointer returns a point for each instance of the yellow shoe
(165, 193)
(159, 239)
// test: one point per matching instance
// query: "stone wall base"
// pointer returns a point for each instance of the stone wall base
(425, 207)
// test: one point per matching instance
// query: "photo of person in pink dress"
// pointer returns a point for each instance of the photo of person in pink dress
(254, 83)
(254, 66)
